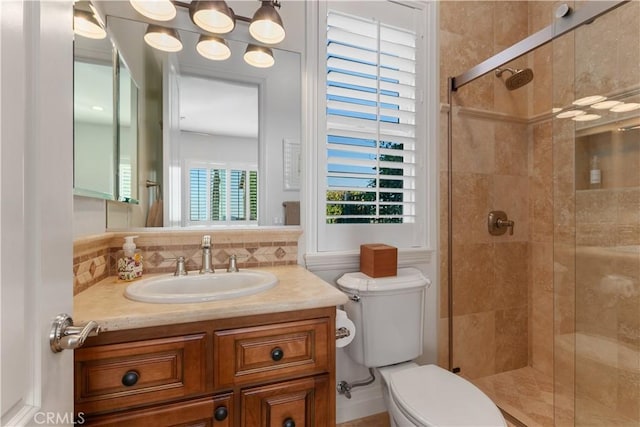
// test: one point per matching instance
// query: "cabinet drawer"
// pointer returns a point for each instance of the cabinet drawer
(129, 374)
(246, 355)
(196, 413)
(303, 403)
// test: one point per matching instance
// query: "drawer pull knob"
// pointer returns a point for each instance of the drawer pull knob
(289, 423)
(277, 354)
(220, 414)
(130, 378)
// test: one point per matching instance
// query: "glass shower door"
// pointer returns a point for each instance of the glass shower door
(597, 221)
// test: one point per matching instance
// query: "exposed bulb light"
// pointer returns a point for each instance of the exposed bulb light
(570, 113)
(259, 56)
(588, 100)
(213, 16)
(605, 105)
(586, 117)
(556, 110)
(623, 108)
(158, 10)
(86, 25)
(213, 48)
(161, 38)
(266, 25)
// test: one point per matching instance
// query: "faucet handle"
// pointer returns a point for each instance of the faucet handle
(180, 267)
(206, 241)
(233, 264)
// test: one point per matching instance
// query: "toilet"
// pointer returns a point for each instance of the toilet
(388, 314)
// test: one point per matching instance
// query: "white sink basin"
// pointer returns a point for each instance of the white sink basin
(200, 287)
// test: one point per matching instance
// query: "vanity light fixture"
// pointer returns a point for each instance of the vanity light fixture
(623, 108)
(158, 10)
(605, 105)
(266, 24)
(213, 16)
(163, 38)
(214, 48)
(85, 24)
(588, 100)
(586, 117)
(259, 56)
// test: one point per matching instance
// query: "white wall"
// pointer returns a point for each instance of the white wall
(222, 148)
(94, 141)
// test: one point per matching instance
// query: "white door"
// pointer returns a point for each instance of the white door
(36, 243)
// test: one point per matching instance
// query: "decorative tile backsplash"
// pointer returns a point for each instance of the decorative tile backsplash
(95, 257)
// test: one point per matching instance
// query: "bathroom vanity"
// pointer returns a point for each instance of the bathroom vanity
(262, 360)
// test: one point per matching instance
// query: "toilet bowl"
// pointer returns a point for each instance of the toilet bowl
(429, 396)
(388, 314)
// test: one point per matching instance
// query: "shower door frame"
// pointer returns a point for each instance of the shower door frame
(562, 25)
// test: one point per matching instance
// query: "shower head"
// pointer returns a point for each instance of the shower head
(517, 79)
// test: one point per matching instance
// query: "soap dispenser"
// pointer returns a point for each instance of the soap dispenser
(129, 260)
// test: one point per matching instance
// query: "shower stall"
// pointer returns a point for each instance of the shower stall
(540, 207)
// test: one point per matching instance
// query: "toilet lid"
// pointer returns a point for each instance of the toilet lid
(432, 396)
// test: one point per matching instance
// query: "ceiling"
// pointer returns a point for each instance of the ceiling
(218, 107)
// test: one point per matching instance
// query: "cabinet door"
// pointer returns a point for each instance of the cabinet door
(297, 403)
(216, 412)
(271, 352)
(125, 375)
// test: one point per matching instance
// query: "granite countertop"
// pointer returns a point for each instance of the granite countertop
(298, 289)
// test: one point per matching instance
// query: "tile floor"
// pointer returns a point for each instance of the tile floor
(524, 393)
(377, 420)
(382, 420)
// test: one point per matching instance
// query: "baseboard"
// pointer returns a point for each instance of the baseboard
(364, 402)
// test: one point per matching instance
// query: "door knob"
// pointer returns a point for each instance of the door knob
(65, 336)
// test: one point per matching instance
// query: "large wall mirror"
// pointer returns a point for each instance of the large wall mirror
(105, 120)
(218, 141)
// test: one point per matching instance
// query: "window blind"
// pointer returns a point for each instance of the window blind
(370, 110)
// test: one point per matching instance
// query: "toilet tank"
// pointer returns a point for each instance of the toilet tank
(388, 314)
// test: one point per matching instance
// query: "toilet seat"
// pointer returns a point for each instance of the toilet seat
(430, 396)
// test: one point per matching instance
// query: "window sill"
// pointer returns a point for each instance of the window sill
(344, 260)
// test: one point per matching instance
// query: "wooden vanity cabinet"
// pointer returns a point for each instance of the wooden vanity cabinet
(273, 370)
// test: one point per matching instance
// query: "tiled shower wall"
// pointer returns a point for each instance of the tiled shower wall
(564, 312)
(503, 301)
(94, 257)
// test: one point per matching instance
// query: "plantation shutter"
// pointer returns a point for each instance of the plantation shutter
(222, 195)
(370, 111)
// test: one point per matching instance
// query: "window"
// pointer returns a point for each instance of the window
(372, 152)
(222, 194)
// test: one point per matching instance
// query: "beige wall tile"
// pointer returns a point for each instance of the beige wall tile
(474, 344)
(511, 149)
(474, 281)
(473, 145)
(511, 263)
(511, 338)
(470, 208)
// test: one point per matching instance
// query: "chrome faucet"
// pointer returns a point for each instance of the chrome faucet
(206, 255)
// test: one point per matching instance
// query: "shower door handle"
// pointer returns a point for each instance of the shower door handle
(498, 223)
